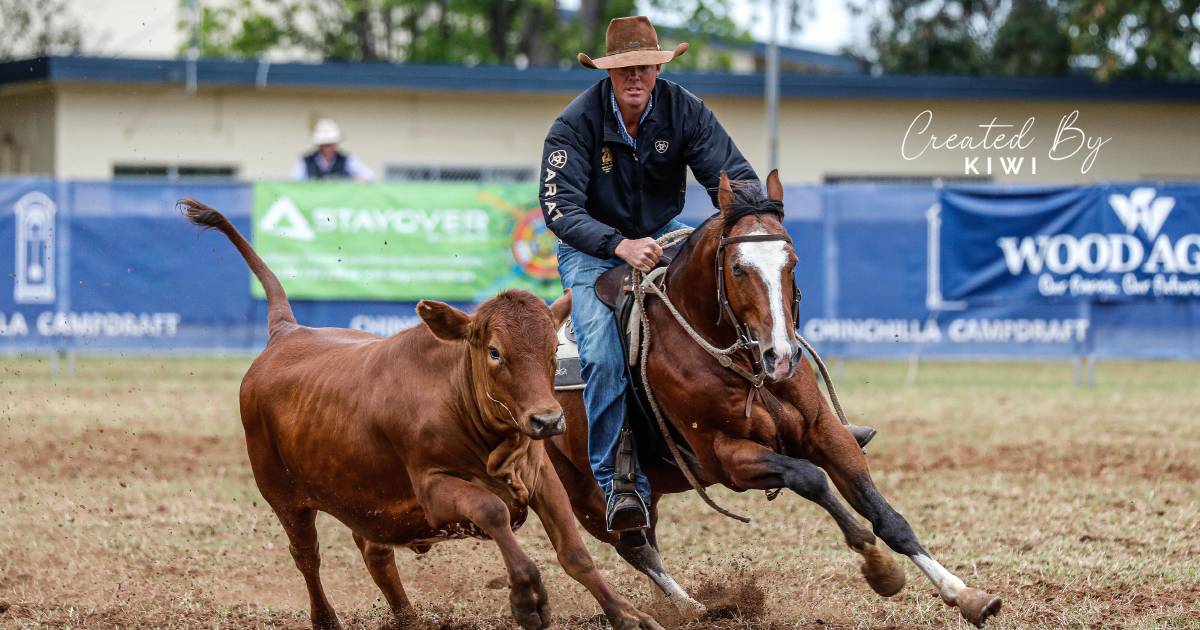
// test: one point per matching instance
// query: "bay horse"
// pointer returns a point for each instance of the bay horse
(432, 434)
(738, 442)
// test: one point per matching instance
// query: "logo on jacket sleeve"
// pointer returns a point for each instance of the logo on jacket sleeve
(661, 146)
(557, 159)
(606, 159)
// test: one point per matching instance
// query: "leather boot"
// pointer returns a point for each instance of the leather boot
(863, 435)
(626, 512)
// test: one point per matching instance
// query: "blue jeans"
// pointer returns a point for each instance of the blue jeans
(601, 358)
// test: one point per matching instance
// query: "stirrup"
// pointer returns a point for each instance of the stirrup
(863, 435)
(626, 511)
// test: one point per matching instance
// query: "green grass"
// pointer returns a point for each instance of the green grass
(126, 500)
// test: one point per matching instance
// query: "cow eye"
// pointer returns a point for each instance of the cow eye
(493, 353)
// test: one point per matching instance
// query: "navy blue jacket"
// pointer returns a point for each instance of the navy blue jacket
(596, 190)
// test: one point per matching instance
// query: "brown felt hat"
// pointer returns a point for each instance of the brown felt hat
(631, 41)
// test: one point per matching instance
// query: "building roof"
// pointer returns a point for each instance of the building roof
(386, 76)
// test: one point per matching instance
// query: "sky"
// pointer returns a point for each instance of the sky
(148, 28)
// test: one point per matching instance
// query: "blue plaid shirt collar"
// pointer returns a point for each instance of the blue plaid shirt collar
(612, 96)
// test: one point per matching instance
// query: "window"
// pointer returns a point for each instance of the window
(173, 172)
(481, 174)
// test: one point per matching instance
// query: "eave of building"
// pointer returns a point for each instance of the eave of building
(210, 73)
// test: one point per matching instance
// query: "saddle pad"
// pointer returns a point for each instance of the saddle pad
(567, 371)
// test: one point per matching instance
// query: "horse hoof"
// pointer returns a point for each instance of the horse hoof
(881, 571)
(689, 607)
(976, 605)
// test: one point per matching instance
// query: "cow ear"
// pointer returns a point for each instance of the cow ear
(774, 188)
(561, 309)
(724, 194)
(444, 321)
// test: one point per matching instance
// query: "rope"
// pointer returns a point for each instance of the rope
(640, 295)
(643, 282)
(837, 406)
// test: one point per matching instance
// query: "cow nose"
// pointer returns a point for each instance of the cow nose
(547, 424)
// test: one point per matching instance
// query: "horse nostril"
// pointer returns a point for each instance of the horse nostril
(769, 358)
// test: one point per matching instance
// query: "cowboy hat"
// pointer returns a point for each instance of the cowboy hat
(326, 132)
(631, 41)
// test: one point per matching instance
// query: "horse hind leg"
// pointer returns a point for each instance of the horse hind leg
(836, 451)
(636, 549)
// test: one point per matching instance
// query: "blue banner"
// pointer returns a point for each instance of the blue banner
(886, 271)
(1100, 243)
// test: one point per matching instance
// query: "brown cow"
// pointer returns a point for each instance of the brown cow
(429, 435)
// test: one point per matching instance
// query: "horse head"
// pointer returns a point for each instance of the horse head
(756, 290)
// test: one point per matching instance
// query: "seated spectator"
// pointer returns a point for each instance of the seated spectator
(327, 162)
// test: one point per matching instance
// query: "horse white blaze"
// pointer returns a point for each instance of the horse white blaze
(947, 584)
(769, 258)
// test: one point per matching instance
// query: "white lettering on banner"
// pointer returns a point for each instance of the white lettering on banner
(1058, 259)
(101, 324)
(383, 325)
(458, 223)
(964, 330)
(14, 327)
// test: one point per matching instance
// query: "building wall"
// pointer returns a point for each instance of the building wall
(27, 125)
(263, 132)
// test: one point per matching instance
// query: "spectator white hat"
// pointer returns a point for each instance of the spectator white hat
(326, 132)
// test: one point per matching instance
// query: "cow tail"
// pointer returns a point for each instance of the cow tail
(279, 311)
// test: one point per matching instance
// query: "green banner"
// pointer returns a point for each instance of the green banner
(442, 241)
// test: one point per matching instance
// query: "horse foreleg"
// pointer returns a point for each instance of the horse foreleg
(835, 450)
(755, 467)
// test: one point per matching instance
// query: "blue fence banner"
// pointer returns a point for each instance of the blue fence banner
(1099, 243)
(887, 271)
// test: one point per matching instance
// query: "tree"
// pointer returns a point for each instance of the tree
(508, 32)
(37, 29)
(1155, 39)
(1149, 39)
(1031, 42)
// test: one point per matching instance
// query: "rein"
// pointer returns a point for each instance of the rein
(649, 283)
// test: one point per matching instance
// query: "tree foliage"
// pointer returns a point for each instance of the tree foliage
(1158, 39)
(37, 29)
(507, 32)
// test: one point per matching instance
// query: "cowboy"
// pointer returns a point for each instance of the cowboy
(327, 162)
(613, 176)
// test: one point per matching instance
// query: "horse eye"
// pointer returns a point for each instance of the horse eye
(493, 353)
(736, 269)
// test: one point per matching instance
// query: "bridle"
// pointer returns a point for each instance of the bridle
(648, 283)
(746, 339)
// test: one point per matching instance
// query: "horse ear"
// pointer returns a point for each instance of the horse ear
(444, 321)
(724, 194)
(774, 188)
(561, 309)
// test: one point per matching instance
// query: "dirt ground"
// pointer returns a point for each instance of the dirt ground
(126, 500)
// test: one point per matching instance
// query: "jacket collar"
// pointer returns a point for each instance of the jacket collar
(611, 133)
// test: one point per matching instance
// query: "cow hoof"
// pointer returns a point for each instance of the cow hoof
(534, 612)
(881, 571)
(976, 605)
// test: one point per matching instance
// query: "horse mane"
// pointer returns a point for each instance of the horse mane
(748, 198)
